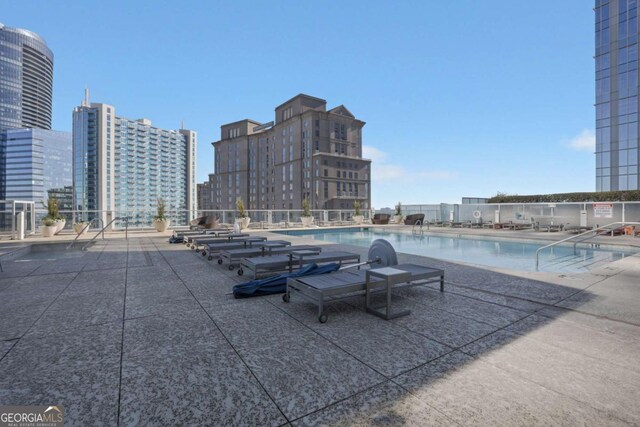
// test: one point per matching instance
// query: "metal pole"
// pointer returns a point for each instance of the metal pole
(13, 220)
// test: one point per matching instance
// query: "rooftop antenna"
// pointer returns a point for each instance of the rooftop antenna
(182, 125)
(85, 102)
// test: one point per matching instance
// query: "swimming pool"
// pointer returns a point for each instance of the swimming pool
(477, 250)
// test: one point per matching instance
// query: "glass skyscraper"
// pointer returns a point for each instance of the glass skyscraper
(36, 162)
(124, 166)
(616, 95)
(26, 80)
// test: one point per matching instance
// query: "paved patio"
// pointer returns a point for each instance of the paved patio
(144, 332)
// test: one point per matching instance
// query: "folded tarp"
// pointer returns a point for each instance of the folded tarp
(278, 284)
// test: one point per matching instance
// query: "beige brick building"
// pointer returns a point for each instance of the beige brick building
(306, 151)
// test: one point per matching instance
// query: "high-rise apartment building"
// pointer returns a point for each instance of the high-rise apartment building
(306, 151)
(26, 80)
(124, 166)
(616, 95)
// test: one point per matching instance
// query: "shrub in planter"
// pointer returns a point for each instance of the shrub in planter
(306, 217)
(53, 220)
(243, 219)
(81, 227)
(48, 227)
(160, 221)
(357, 216)
(398, 216)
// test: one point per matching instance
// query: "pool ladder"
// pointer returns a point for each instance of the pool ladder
(417, 227)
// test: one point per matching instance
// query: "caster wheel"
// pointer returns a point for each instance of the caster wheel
(193, 246)
(286, 298)
(204, 253)
(240, 272)
(231, 267)
(219, 261)
(322, 318)
(209, 257)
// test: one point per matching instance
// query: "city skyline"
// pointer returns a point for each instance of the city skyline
(451, 103)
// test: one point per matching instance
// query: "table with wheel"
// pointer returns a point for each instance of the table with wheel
(390, 276)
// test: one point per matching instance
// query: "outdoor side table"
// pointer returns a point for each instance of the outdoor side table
(391, 276)
(269, 246)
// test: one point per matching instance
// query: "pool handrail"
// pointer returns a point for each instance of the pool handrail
(593, 230)
(126, 230)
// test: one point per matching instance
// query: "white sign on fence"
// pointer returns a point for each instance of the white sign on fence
(603, 210)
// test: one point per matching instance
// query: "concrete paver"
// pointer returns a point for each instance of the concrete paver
(146, 332)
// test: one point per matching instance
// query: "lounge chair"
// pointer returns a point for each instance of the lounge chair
(234, 256)
(616, 231)
(220, 235)
(381, 218)
(576, 229)
(212, 249)
(278, 284)
(184, 235)
(197, 223)
(344, 284)
(280, 263)
(235, 237)
(413, 218)
(212, 222)
(548, 227)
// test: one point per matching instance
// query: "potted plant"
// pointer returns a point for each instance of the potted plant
(160, 221)
(53, 218)
(81, 227)
(306, 217)
(357, 216)
(243, 219)
(48, 227)
(398, 216)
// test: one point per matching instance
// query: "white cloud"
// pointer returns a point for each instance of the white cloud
(585, 141)
(372, 153)
(381, 171)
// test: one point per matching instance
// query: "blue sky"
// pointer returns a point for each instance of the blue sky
(460, 97)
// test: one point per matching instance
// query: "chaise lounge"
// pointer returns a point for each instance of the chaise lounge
(378, 279)
(413, 219)
(294, 260)
(381, 218)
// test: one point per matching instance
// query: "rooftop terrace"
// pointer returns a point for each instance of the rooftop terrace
(145, 332)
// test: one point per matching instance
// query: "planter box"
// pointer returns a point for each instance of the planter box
(307, 221)
(60, 223)
(80, 228)
(48, 230)
(243, 223)
(161, 225)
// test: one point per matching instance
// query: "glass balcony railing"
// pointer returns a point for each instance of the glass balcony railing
(141, 218)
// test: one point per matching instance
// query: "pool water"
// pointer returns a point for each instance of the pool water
(50, 252)
(484, 251)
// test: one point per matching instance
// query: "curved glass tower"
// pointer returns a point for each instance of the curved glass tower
(26, 80)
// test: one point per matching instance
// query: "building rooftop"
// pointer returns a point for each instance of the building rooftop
(146, 332)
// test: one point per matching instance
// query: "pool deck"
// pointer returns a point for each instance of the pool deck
(143, 332)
